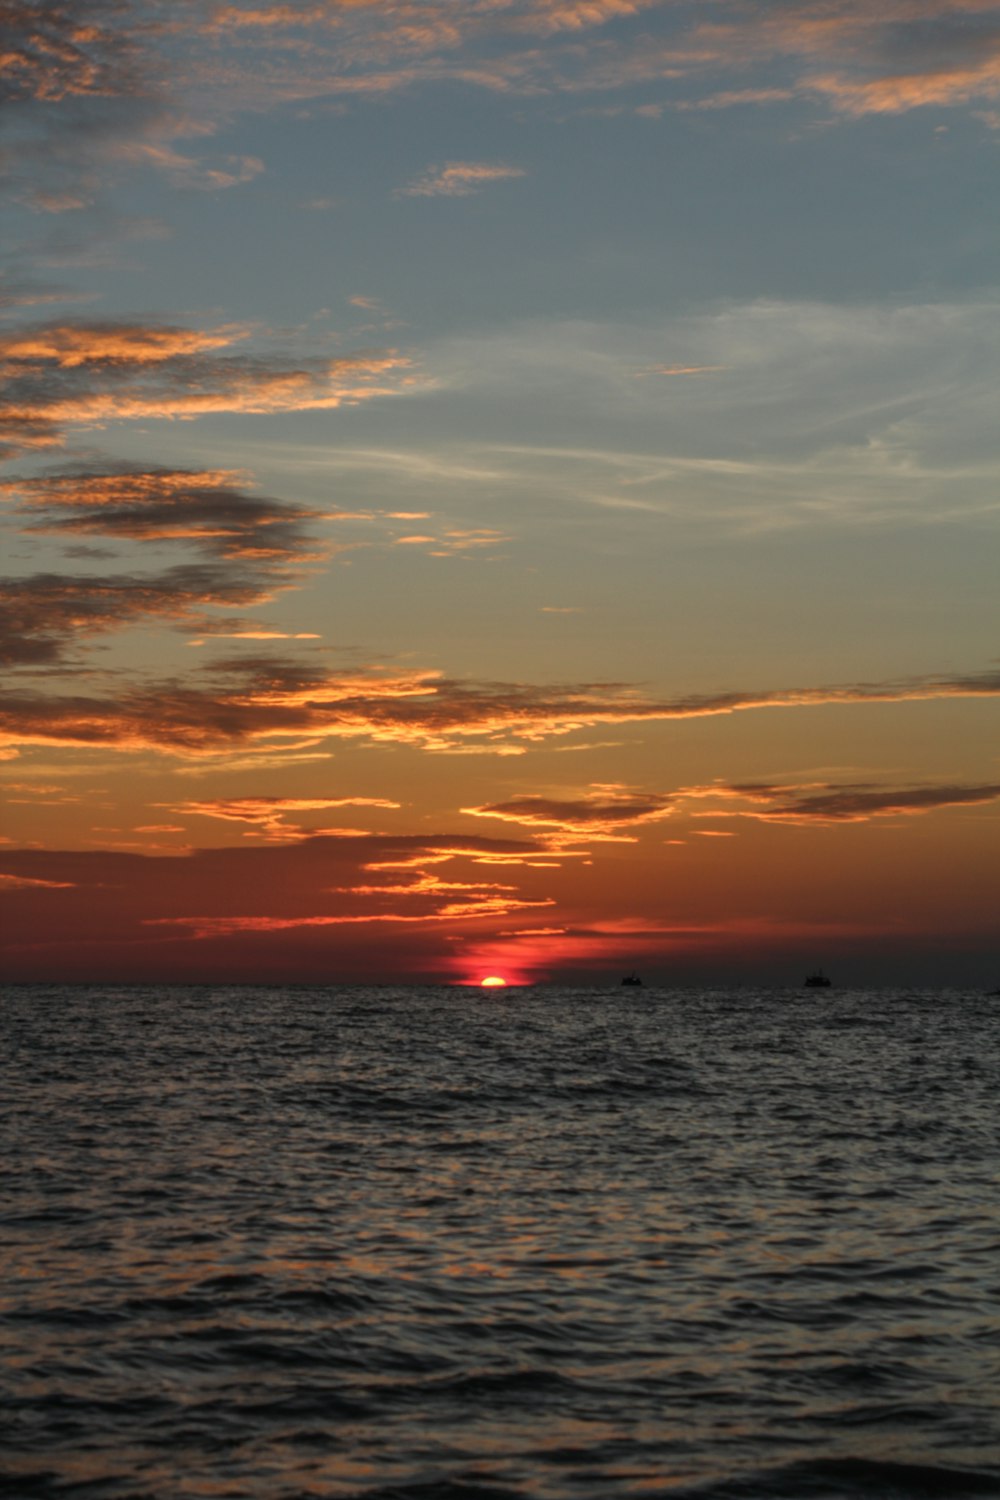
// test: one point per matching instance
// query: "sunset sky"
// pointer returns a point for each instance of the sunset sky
(501, 487)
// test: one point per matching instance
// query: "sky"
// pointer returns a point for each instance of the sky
(500, 488)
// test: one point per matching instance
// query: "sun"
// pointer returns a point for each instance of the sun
(492, 981)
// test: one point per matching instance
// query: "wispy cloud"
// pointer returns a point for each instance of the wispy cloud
(816, 803)
(253, 545)
(237, 703)
(219, 633)
(76, 49)
(603, 812)
(105, 908)
(107, 83)
(897, 92)
(189, 171)
(205, 507)
(608, 812)
(26, 883)
(41, 614)
(683, 369)
(457, 179)
(55, 375)
(269, 815)
(452, 541)
(858, 57)
(775, 414)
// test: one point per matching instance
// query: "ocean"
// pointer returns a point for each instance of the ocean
(528, 1244)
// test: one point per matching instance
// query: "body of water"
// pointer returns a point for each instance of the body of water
(545, 1244)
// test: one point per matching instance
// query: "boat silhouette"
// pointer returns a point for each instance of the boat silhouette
(817, 981)
(632, 978)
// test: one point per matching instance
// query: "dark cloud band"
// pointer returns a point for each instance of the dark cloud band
(239, 701)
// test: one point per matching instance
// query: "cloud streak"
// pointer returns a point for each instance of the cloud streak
(53, 52)
(204, 507)
(238, 703)
(607, 813)
(457, 179)
(41, 614)
(57, 375)
(269, 815)
(830, 803)
(108, 84)
(859, 58)
(601, 813)
(120, 911)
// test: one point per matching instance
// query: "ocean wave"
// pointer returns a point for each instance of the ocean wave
(321, 1245)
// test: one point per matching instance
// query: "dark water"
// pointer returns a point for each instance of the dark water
(443, 1244)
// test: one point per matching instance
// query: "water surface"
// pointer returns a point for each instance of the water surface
(544, 1244)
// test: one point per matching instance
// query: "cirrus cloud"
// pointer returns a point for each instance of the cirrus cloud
(862, 59)
(457, 179)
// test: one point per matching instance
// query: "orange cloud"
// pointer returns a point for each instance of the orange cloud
(88, 55)
(828, 803)
(260, 635)
(69, 346)
(187, 171)
(895, 93)
(602, 948)
(577, 15)
(466, 539)
(424, 26)
(598, 814)
(268, 699)
(57, 375)
(116, 911)
(463, 849)
(456, 179)
(269, 814)
(51, 53)
(454, 541)
(726, 99)
(201, 506)
(684, 369)
(207, 927)
(41, 614)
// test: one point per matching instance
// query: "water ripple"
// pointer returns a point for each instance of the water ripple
(433, 1245)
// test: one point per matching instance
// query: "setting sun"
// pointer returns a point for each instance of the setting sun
(492, 980)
